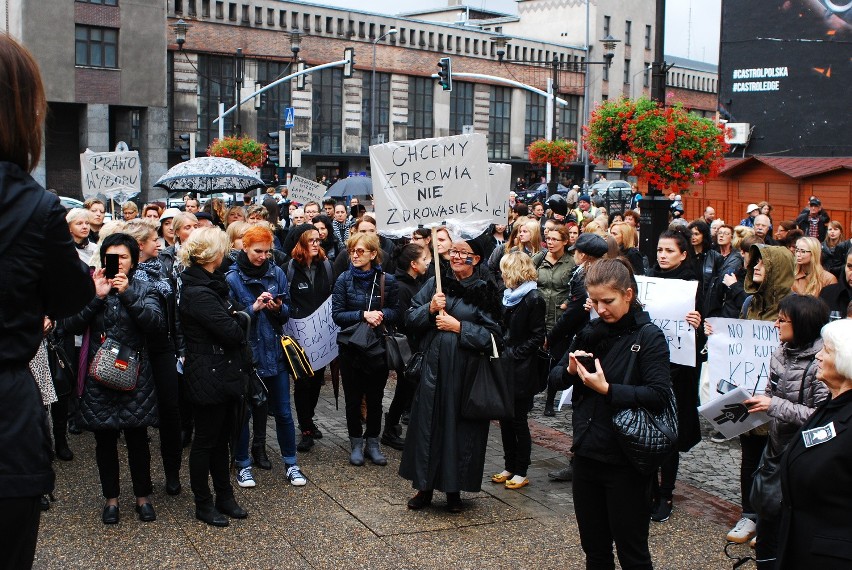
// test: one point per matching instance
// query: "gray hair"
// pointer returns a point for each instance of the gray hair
(839, 335)
(75, 214)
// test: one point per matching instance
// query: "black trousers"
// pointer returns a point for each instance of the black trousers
(209, 454)
(138, 457)
(359, 383)
(766, 549)
(517, 443)
(664, 486)
(752, 449)
(402, 397)
(612, 504)
(166, 382)
(305, 397)
(59, 415)
(19, 529)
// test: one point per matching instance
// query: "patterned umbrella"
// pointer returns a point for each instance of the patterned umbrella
(209, 174)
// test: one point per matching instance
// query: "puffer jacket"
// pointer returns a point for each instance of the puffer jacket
(792, 370)
(215, 368)
(266, 325)
(554, 283)
(127, 318)
(349, 300)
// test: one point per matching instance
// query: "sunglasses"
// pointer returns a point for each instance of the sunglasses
(357, 251)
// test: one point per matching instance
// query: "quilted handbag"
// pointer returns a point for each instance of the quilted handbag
(115, 365)
(645, 438)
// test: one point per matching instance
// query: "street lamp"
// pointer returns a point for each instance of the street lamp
(390, 32)
(644, 70)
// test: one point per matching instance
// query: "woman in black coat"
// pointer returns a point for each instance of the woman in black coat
(610, 494)
(444, 451)
(125, 310)
(214, 372)
(524, 311)
(816, 469)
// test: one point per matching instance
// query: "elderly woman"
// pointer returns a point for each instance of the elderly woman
(816, 469)
(125, 310)
(213, 374)
(152, 212)
(792, 393)
(78, 225)
(443, 450)
(235, 214)
(129, 211)
(357, 297)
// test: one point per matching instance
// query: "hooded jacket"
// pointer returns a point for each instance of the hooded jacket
(777, 282)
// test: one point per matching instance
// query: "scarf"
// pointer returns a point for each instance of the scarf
(249, 269)
(512, 297)
(83, 244)
(151, 272)
(364, 279)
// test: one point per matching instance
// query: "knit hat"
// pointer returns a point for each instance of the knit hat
(592, 244)
(476, 246)
(293, 237)
(584, 198)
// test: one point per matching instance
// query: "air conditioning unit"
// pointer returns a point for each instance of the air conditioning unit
(737, 133)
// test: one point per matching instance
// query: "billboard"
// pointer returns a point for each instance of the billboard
(785, 69)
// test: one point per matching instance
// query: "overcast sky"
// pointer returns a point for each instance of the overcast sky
(696, 37)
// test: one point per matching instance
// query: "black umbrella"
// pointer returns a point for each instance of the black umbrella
(208, 174)
(352, 186)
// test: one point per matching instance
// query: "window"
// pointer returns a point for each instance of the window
(627, 72)
(383, 81)
(605, 72)
(646, 76)
(567, 118)
(647, 37)
(627, 25)
(500, 102)
(270, 116)
(606, 26)
(215, 83)
(135, 129)
(327, 127)
(420, 90)
(178, 4)
(461, 106)
(96, 47)
(535, 118)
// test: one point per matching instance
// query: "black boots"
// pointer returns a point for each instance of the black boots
(420, 500)
(229, 506)
(392, 435)
(208, 513)
(260, 458)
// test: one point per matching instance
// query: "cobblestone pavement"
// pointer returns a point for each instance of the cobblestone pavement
(355, 517)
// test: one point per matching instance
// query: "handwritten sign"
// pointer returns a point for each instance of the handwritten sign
(427, 182)
(739, 351)
(317, 334)
(116, 175)
(499, 186)
(668, 301)
(302, 190)
(730, 416)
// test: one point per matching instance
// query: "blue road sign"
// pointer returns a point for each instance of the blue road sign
(289, 118)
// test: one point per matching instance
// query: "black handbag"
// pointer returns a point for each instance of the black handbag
(362, 339)
(545, 362)
(257, 392)
(645, 438)
(489, 395)
(61, 370)
(397, 349)
(413, 368)
(766, 486)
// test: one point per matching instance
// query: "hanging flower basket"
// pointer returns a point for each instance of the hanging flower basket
(669, 147)
(242, 149)
(558, 153)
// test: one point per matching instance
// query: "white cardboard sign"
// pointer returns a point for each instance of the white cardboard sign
(302, 190)
(429, 182)
(317, 334)
(729, 415)
(739, 352)
(667, 302)
(116, 175)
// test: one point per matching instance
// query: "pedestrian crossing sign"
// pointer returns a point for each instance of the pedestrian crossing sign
(289, 118)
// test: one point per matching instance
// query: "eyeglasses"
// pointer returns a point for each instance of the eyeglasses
(314, 241)
(357, 251)
(460, 253)
(417, 238)
(553, 239)
(802, 251)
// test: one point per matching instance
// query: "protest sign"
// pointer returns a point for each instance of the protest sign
(739, 351)
(499, 186)
(428, 182)
(115, 175)
(730, 416)
(302, 190)
(668, 301)
(317, 334)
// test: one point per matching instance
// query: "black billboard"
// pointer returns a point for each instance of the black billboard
(784, 68)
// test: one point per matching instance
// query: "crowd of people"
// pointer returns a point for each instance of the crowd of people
(193, 301)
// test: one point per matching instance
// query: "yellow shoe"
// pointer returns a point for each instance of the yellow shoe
(501, 477)
(513, 485)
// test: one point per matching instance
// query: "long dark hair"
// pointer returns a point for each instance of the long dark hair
(807, 316)
(706, 239)
(406, 254)
(680, 236)
(616, 273)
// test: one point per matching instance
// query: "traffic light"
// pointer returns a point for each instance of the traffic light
(274, 148)
(348, 67)
(445, 73)
(189, 148)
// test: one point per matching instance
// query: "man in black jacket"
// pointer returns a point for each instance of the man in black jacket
(814, 221)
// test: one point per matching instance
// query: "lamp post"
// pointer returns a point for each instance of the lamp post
(373, 135)
(609, 43)
(644, 70)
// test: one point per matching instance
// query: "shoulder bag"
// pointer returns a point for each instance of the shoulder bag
(362, 338)
(489, 395)
(645, 438)
(397, 349)
(766, 487)
(296, 358)
(115, 366)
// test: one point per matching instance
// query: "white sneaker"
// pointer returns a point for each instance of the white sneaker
(245, 478)
(295, 476)
(742, 531)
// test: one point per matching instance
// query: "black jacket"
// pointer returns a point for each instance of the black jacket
(834, 258)
(127, 318)
(574, 318)
(407, 288)
(215, 365)
(837, 295)
(804, 224)
(815, 526)
(594, 435)
(523, 326)
(306, 294)
(41, 275)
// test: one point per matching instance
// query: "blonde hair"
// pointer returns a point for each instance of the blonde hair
(371, 243)
(812, 269)
(75, 214)
(181, 219)
(740, 233)
(535, 234)
(141, 229)
(517, 268)
(628, 234)
(239, 209)
(109, 228)
(236, 230)
(203, 246)
(129, 206)
(594, 227)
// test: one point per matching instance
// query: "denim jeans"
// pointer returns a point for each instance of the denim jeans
(279, 405)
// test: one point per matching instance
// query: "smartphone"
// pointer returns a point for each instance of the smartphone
(588, 362)
(111, 265)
